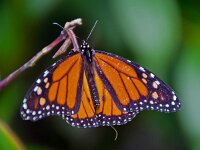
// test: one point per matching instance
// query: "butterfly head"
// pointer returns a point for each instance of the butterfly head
(85, 46)
(86, 51)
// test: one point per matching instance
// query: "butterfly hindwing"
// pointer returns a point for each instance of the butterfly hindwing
(86, 115)
(108, 112)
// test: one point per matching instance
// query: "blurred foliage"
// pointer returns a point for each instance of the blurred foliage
(8, 140)
(163, 36)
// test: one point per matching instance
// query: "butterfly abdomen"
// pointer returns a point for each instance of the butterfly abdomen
(87, 55)
(93, 91)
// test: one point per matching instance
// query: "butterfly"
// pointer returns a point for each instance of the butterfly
(91, 88)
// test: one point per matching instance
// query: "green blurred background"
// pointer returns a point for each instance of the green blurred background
(161, 35)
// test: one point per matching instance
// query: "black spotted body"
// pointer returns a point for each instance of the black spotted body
(87, 54)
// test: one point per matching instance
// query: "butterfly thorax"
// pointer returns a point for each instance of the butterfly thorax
(87, 52)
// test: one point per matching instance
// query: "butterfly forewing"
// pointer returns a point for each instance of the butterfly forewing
(57, 91)
(134, 87)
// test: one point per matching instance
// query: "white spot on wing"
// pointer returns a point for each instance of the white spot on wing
(174, 97)
(152, 75)
(157, 82)
(34, 113)
(38, 81)
(47, 107)
(24, 101)
(25, 106)
(46, 73)
(151, 102)
(35, 89)
(141, 68)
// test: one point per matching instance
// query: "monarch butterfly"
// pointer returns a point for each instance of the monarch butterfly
(91, 88)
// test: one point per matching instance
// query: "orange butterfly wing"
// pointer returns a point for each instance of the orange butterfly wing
(57, 91)
(128, 89)
(86, 115)
(107, 113)
(122, 80)
(115, 101)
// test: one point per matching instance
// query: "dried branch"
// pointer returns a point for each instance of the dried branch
(67, 34)
(63, 48)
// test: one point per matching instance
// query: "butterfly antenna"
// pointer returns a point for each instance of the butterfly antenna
(55, 23)
(92, 29)
(58, 25)
(116, 132)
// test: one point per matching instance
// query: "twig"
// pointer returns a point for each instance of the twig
(63, 48)
(67, 34)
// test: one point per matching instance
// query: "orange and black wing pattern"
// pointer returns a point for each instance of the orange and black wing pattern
(107, 113)
(86, 115)
(57, 91)
(110, 111)
(126, 88)
(93, 88)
